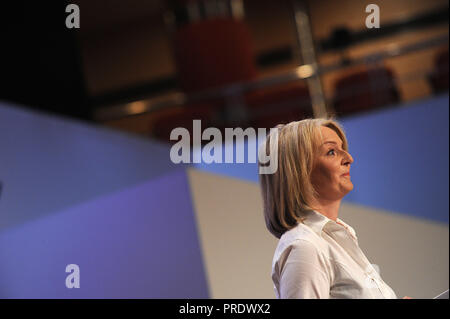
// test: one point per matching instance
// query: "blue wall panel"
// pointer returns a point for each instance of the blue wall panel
(402, 158)
(48, 163)
(136, 243)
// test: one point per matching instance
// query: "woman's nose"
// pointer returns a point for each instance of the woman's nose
(348, 159)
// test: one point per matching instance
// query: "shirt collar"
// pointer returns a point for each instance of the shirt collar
(317, 222)
(348, 227)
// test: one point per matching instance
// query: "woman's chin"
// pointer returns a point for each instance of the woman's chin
(348, 188)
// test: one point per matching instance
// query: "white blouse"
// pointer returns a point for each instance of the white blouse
(321, 258)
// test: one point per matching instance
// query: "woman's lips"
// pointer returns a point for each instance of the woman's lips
(346, 174)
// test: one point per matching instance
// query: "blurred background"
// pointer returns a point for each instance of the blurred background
(86, 114)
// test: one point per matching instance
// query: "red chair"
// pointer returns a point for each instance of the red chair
(208, 54)
(218, 52)
(282, 103)
(212, 53)
(364, 89)
(183, 116)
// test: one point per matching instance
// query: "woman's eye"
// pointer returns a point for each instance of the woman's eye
(331, 152)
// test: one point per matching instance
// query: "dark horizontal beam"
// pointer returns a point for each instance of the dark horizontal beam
(343, 37)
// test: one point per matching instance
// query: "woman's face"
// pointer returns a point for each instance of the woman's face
(330, 175)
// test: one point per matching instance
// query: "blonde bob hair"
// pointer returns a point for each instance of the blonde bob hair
(288, 192)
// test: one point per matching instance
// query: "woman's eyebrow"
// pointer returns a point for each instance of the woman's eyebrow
(331, 142)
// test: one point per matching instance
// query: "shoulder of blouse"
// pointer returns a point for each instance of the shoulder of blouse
(295, 236)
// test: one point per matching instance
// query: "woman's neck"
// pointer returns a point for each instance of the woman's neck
(328, 208)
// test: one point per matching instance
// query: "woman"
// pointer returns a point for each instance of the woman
(318, 254)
